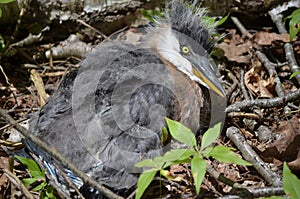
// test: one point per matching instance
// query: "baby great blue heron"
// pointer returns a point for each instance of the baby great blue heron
(108, 115)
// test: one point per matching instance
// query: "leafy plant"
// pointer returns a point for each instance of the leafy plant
(46, 191)
(291, 183)
(295, 74)
(152, 14)
(212, 20)
(294, 24)
(195, 156)
(4, 2)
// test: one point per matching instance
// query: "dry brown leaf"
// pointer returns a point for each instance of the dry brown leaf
(257, 85)
(236, 52)
(265, 38)
(287, 147)
(4, 162)
(236, 49)
(179, 171)
(295, 165)
(289, 130)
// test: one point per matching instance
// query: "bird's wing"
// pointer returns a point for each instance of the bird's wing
(108, 115)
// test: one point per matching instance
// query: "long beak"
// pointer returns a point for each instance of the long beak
(202, 69)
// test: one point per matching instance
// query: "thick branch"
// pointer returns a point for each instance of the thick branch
(264, 103)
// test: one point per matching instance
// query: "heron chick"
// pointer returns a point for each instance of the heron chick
(108, 115)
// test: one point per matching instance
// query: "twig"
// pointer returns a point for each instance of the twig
(249, 154)
(218, 176)
(68, 180)
(272, 72)
(62, 193)
(244, 115)
(289, 52)
(97, 31)
(9, 125)
(240, 26)
(256, 193)
(173, 183)
(233, 86)
(243, 191)
(242, 83)
(29, 40)
(290, 56)
(5, 76)
(32, 66)
(263, 58)
(17, 182)
(264, 103)
(266, 192)
(55, 154)
(131, 195)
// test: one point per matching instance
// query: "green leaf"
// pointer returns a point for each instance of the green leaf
(159, 161)
(143, 182)
(40, 187)
(291, 183)
(181, 133)
(32, 166)
(198, 167)
(225, 154)
(50, 192)
(0, 12)
(295, 74)
(166, 174)
(29, 181)
(6, 1)
(210, 136)
(178, 154)
(222, 20)
(146, 163)
(294, 25)
(164, 135)
(209, 20)
(206, 151)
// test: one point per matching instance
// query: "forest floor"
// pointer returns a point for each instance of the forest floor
(255, 73)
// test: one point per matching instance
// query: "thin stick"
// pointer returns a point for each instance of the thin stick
(17, 182)
(55, 154)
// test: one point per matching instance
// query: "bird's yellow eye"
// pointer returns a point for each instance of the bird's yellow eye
(185, 49)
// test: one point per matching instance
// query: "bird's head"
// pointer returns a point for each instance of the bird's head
(183, 38)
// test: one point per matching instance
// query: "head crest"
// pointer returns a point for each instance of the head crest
(190, 20)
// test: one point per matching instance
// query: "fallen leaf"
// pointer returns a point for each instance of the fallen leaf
(295, 165)
(236, 52)
(236, 49)
(259, 86)
(287, 146)
(265, 38)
